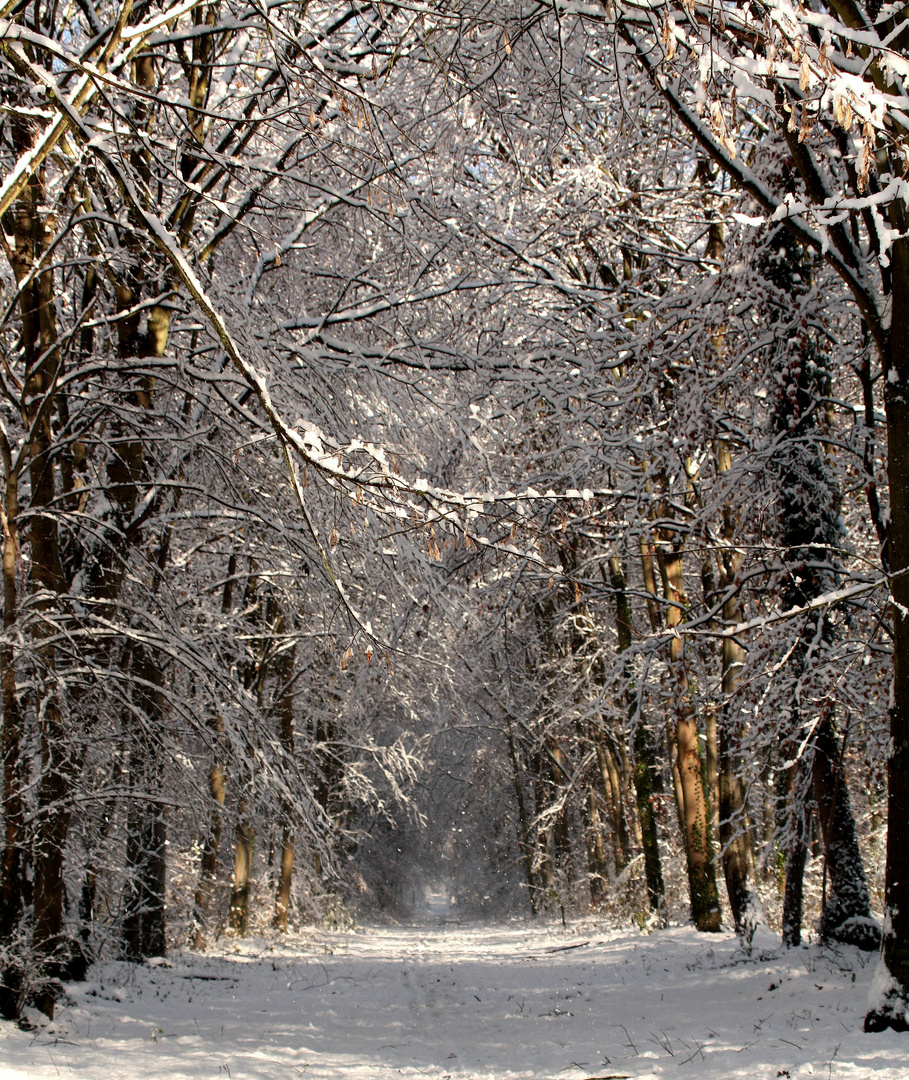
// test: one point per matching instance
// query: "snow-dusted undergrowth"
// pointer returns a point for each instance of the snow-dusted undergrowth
(447, 1000)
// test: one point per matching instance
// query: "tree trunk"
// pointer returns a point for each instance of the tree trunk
(796, 853)
(561, 834)
(144, 929)
(734, 828)
(646, 773)
(284, 672)
(211, 852)
(238, 915)
(52, 830)
(88, 893)
(705, 907)
(144, 920)
(146, 842)
(712, 763)
(711, 734)
(596, 849)
(543, 864)
(39, 339)
(208, 871)
(847, 907)
(12, 866)
(646, 794)
(892, 1008)
(735, 832)
(282, 902)
(524, 836)
(612, 789)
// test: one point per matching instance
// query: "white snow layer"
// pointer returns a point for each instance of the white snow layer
(473, 1001)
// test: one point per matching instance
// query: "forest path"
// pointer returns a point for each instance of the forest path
(441, 1000)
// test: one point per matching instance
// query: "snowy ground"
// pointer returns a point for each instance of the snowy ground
(468, 1001)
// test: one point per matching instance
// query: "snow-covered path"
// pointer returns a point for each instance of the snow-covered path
(501, 1002)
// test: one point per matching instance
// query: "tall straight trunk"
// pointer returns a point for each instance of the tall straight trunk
(612, 789)
(650, 586)
(12, 861)
(646, 789)
(705, 907)
(624, 765)
(561, 833)
(798, 811)
(711, 731)
(144, 928)
(211, 851)
(554, 838)
(543, 863)
(648, 555)
(793, 895)
(735, 831)
(607, 737)
(524, 835)
(88, 893)
(645, 771)
(798, 783)
(42, 360)
(284, 672)
(144, 923)
(596, 849)
(892, 1007)
(254, 670)
(208, 871)
(139, 335)
(52, 830)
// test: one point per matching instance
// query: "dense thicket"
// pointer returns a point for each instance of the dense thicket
(447, 444)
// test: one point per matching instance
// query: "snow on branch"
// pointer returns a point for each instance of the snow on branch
(825, 600)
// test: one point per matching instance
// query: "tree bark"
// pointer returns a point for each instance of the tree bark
(735, 831)
(12, 866)
(705, 907)
(846, 915)
(238, 914)
(596, 849)
(796, 853)
(734, 828)
(83, 956)
(211, 852)
(32, 229)
(144, 923)
(543, 863)
(208, 871)
(612, 790)
(646, 773)
(284, 672)
(524, 834)
(561, 833)
(892, 1009)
